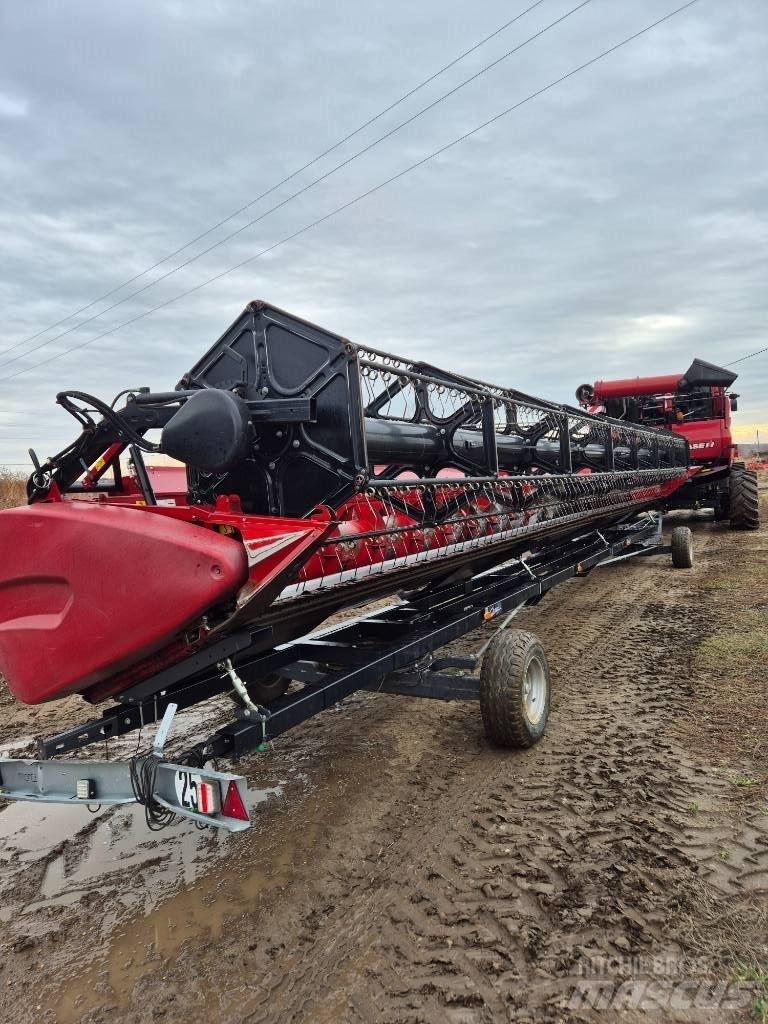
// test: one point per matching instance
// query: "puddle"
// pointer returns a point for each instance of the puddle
(153, 891)
(116, 839)
(199, 909)
(120, 842)
(88, 853)
(37, 828)
(21, 743)
(29, 827)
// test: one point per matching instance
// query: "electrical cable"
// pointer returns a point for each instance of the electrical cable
(294, 195)
(749, 356)
(364, 195)
(285, 180)
(143, 771)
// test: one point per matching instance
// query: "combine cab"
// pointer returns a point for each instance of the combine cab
(695, 405)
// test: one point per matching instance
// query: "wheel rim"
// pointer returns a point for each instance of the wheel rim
(535, 690)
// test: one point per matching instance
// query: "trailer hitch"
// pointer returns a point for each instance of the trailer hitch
(166, 790)
(251, 711)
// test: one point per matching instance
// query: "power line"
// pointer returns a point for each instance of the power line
(295, 195)
(283, 181)
(751, 354)
(363, 195)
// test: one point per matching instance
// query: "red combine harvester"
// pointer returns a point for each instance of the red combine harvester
(318, 474)
(695, 405)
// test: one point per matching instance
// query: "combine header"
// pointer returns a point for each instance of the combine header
(319, 474)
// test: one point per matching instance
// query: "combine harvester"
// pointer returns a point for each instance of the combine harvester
(694, 405)
(319, 475)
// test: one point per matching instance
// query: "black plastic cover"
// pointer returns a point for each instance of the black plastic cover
(703, 374)
(209, 432)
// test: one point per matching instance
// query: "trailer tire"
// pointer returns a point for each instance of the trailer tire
(262, 691)
(514, 689)
(682, 547)
(745, 499)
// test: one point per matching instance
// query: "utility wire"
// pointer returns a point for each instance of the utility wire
(283, 181)
(295, 195)
(363, 195)
(742, 358)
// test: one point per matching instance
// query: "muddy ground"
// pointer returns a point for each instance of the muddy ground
(403, 870)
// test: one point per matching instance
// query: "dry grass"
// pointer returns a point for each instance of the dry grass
(738, 653)
(727, 939)
(727, 720)
(12, 488)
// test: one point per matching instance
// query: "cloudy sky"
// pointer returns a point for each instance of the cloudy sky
(615, 225)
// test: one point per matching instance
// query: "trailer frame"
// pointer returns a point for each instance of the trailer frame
(391, 650)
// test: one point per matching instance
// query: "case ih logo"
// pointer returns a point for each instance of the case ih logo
(702, 444)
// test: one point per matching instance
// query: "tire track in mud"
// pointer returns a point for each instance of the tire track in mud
(566, 862)
(429, 827)
(553, 852)
(447, 881)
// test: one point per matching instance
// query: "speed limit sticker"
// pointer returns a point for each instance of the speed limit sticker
(194, 794)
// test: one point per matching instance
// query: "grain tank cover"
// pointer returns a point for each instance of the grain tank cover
(703, 374)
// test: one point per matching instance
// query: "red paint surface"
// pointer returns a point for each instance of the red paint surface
(629, 386)
(88, 588)
(708, 440)
(97, 596)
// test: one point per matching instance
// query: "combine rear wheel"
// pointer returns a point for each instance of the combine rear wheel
(682, 547)
(745, 500)
(514, 689)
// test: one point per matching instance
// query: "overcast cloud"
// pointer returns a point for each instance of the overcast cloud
(616, 225)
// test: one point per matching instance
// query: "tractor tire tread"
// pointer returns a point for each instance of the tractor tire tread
(745, 500)
(681, 543)
(501, 698)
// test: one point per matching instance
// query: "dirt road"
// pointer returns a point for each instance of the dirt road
(403, 870)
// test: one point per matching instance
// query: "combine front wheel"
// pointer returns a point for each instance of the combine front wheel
(514, 689)
(745, 500)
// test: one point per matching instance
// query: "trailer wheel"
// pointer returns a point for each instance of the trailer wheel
(262, 691)
(682, 547)
(514, 689)
(745, 499)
